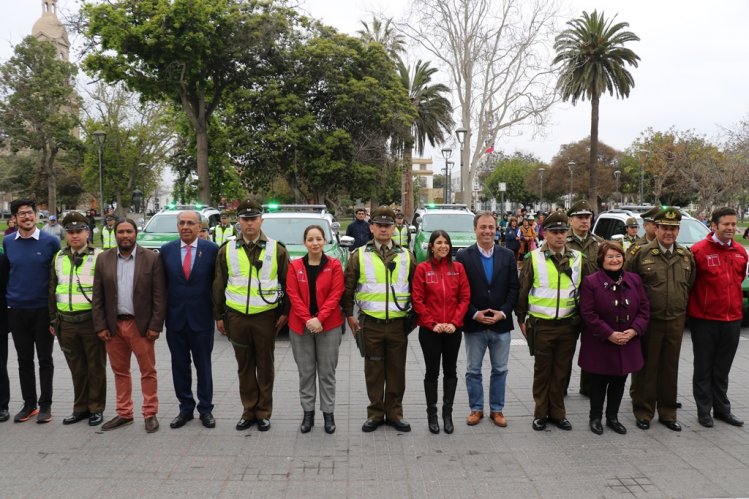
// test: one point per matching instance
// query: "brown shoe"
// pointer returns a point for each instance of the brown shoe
(498, 419)
(474, 417)
(115, 423)
(152, 424)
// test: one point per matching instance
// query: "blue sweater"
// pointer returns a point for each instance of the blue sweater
(30, 265)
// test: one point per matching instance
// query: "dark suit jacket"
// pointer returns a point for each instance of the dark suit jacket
(4, 270)
(149, 291)
(189, 302)
(499, 294)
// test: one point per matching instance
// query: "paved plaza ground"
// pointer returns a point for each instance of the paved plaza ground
(53, 460)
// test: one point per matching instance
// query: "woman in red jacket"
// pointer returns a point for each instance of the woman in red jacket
(440, 294)
(314, 285)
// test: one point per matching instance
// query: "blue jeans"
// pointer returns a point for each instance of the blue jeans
(499, 354)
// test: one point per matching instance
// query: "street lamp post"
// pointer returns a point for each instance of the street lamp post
(618, 174)
(460, 133)
(446, 153)
(571, 166)
(450, 165)
(99, 137)
(541, 195)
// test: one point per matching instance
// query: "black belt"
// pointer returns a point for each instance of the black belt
(382, 321)
(75, 317)
(125, 317)
(557, 322)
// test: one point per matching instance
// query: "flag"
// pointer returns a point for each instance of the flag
(489, 149)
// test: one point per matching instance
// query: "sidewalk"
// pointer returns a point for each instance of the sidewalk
(53, 460)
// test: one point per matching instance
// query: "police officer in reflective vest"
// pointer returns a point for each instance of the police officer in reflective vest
(107, 234)
(549, 283)
(249, 309)
(401, 236)
(630, 237)
(223, 230)
(71, 289)
(378, 278)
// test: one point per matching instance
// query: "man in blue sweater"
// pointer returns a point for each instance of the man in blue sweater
(30, 253)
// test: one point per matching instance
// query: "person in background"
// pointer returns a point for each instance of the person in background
(223, 230)
(205, 235)
(401, 235)
(314, 286)
(54, 229)
(91, 222)
(512, 242)
(441, 294)
(630, 237)
(527, 237)
(108, 239)
(12, 226)
(615, 310)
(648, 226)
(359, 229)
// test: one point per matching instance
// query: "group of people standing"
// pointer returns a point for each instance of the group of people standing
(630, 307)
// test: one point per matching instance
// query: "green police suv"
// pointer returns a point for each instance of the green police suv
(286, 223)
(455, 219)
(162, 227)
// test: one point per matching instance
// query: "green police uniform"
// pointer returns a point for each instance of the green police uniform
(70, 294)
(646, 217)
(627, 240)
(247, 296)
(381, 318)
(547, 297)
(667, 280)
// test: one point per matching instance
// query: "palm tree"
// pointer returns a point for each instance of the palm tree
(433, 118)
(593, 58)
(383, 31)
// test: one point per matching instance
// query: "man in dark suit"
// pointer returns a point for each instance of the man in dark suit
(129, 306)
(189, 264)
(492, 275)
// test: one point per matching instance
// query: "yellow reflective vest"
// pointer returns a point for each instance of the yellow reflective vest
(220, 234)
(75, 284)
(374, 292)
(400, 236)
(107, 238)
(552, 295)
(246, 283)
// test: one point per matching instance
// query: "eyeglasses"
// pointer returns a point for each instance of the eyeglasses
(26, 213)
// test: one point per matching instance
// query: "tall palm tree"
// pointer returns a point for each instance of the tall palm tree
(593, 58)
(433, 120)
(383, 31)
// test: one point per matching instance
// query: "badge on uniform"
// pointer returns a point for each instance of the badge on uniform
(713, 260)
(431, 277)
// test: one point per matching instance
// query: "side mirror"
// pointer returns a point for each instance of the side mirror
(618, 238)
(335, 226)
(412, 229)
(347, 241)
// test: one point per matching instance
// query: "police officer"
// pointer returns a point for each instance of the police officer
(401, 235)
(107, 233)
(549, 282)
(378, 277)
(667, 271)
(648, 226)
(223, 230)
(70, 294)
(249, 309)
(580, 219)
(630, 237)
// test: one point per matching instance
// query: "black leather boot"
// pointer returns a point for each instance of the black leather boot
(308, 421)
(329, 422)
(448, 388)
(430, 390)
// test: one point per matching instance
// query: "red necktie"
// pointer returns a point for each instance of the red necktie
(187, 261)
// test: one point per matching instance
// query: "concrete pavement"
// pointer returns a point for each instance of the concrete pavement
(481, 461)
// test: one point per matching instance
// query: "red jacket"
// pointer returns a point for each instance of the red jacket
(716, 294)
(329, 287)
(440, 295)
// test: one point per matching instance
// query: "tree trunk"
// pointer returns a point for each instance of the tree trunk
(593, 162)
(201, 137)
(48, 163)
(407, 184)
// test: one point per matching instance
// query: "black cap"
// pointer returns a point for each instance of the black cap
(75, 221)
(581, 207)
(555, 221)
(383, 215)
(249, 209)
(668, 216)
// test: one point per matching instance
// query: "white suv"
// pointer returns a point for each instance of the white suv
(610, 224)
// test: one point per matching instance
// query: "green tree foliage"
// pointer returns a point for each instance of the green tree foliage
(39, 110)
(187, 51)
(593, 60)
(515, 171)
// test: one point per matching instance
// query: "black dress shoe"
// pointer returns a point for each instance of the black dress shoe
(643, 424)
(96, 418)
(263, 424)
(370, 425)
(329, 422)
(730, 419)
(400, 425)
(208, 420)
(672, 425)
(706, 420)
(596, 427)
(76, 417)
(615, 425)
(308, 421)
(243, 424)
(4, 415)
(181, 420)
(563, 424)
(539, 424)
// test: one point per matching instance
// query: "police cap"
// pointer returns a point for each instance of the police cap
(667, 216)
(249, 209)
(75, 221)
(555, 221)
(581, 207)
(648, 215)
(632, 222)
(383, 215)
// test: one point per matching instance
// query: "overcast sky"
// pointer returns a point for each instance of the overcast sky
(693, 73)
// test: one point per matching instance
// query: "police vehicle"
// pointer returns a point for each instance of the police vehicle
(162, 227)
(455, 219)
(610, 225)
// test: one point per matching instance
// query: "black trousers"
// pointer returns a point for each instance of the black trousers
(30, 329)
(4, 381)
(714, 344)
(609, 388)
(440, 346)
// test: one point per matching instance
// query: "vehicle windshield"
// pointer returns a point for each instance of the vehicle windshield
(162, 222)
(691, 231)
(462, 222)
(291, 230)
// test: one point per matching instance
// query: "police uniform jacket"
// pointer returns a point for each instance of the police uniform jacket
(589, 248)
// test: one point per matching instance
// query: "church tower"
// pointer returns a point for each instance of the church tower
(49, 28)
